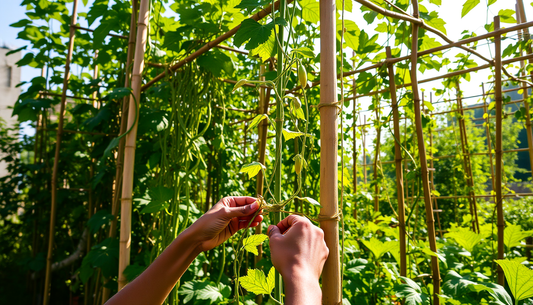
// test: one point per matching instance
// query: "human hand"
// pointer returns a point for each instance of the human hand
(298, 248)
(223, 220)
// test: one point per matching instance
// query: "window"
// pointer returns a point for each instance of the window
(9, 74)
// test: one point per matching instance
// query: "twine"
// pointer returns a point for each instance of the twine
(337, 105)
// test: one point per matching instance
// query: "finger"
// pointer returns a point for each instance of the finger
(240, 211)
(243, 200)
(289, 221)
(273, 231)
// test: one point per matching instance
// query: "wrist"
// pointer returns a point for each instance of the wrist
(190, 238)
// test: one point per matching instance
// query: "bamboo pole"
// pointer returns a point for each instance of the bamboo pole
(467, 164)
(522, 19)
(208, 46)
(363, 131)
(487, 134)
(423, 162)
(123, 125)
(399, 168)
(129, 151)
(432, 173)
(498, 148)
(331, 277)
(55, 172)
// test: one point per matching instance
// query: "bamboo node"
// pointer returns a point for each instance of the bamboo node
(337, 105)
(126, 198)
(336, 217)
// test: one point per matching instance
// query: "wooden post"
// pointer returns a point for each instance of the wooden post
(467, 164)
(55, 171)
(129, 152)
(331, 277)
(423, 161)
(487, 134)
(363, 131)
(399, 168)
(498, 148)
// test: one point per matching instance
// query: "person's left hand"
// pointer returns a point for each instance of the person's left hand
(223, 220)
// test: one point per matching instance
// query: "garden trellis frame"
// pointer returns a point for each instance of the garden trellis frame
(330, 209)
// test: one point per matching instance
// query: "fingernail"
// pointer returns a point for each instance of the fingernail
(254, 206)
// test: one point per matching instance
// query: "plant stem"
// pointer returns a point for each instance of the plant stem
(279, 141)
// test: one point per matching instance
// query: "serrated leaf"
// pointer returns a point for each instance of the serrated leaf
(519, 278)
(250, 243)
(266, 49)
(252, 169)
(310, 201)
(468, 6)
(257, 120)
(256, 282)
(437, 23)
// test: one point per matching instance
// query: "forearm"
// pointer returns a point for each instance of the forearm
(156, 282)
(302, 289)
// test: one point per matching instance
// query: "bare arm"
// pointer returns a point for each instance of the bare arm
(225, 218)
(299, 252)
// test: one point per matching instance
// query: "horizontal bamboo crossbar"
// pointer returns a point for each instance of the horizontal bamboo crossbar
(68, 96)
(91, 30)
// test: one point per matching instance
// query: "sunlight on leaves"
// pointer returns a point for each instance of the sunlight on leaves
(257, 283)
(519, 278)
(250, 243)
(252, 169)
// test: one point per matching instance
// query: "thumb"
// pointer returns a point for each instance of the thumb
(244, 210)
(273, 231)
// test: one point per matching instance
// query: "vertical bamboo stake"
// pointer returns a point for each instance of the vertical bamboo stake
(278, 289)
(467, 164)
(487, 133)
(55, 171)
(123, 124)
(129, 152)
(423, 161)
(263, 129)
(399, 169)
(432, 173)
(331, 277)
(521, 19)
(498, 148)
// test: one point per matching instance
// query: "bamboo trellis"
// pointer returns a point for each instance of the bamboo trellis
(328, 83)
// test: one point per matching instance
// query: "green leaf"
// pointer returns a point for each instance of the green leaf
(266, 49)
(253, 32)
(216, 62)
(437, 23)
(133, 271)
(468, 6)
(430, 108)
(310, 201)
(104, 256)
(411, 292)
(465, 238)
(16, 50)
(257, 120)
(513, 235)
(310, 10)
(519, 278)
(500, 294)
(26, 60)
(250, 243)
(379, 248)
(161, 193)
(21, 23)
(252, 169)
(437, 2)
(507, 16)
(256, 282)
(250, 5)
(98, 220)
(118, 93)
(288, 135)
(112, 145)
(202, 290)
(304, 51)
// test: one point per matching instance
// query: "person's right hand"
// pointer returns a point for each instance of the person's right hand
(298, 248)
